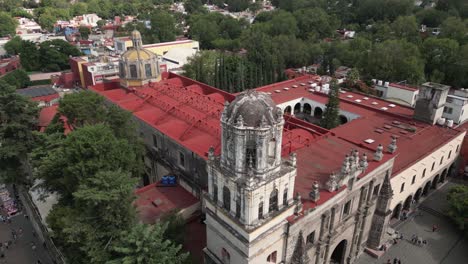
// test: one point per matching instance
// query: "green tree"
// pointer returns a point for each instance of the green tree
(18, 78)
(54, 54)
(144, 244)
(332, 109)
(440, 54)
(79, 9)
(13, 46)
(163, 25)
(18, 118)
(458, 206)
(194, 6)
(84, 32)
(29, 56)
(455, 28)
(7, 24)
(395, 60)
(406, 27)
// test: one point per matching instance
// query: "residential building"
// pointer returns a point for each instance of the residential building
(9, 64)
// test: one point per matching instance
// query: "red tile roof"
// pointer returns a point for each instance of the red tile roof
(189, 112)
(154, 201)
(47, 114)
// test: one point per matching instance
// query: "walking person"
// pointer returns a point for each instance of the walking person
(395, 261)
(434, 228)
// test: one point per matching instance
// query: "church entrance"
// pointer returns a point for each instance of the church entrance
(338, 255)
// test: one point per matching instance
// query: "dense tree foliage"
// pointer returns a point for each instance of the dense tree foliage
(51, 55)
(18, 78)
(18, 116)
(144, 244)
(7, 24)
(458, 206)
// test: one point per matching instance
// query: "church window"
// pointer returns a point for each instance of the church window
(424, 173)
(402, 188)
(225, 256)
(133, 71)
(181, 159)
(148, 71)
(273, 201)
(272, 257)
(450, 154)
(285, 197)
(238, 206)
(441, 160)
(458, 147)
(226, 198)
(251, 155)
(376, 190)
(347, 208)
(272, 148)
(433, 164)
(413, 180)
(260, 210)
(311, 238)
(215, 192)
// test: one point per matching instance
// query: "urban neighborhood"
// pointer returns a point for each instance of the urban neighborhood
(233, 131)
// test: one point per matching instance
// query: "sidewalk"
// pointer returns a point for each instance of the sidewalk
(445, 246)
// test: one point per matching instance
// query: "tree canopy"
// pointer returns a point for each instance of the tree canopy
(332, 108)
(458, 206)
(18, 118)
(144, 244)
(7, 24)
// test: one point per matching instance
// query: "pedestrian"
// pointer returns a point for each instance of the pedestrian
(434, 228)
(26, 216)
(399, 261)
(424, 242)
(389, 262)
(395, 260)
(401, 236)
(33, 246)
(38, 262)
(20, 231)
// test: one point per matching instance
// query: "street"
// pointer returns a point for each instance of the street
(21, 251)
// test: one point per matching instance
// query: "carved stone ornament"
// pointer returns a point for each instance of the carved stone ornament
(332, 183)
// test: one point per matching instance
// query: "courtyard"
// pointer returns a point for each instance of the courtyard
(445, 246)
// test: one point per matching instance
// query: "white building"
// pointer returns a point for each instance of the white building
(456, 106)
(399, 93)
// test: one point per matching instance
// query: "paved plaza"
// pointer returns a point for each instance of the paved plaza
(445, 246)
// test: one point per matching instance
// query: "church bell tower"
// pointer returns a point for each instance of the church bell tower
(250, 186)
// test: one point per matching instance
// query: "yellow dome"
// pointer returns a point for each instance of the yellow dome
(138, 54)
(138, 66)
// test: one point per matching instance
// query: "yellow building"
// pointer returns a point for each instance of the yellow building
(138, 66)
(123, 44)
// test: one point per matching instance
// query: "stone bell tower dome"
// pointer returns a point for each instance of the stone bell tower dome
(138, 66)
(252, 127)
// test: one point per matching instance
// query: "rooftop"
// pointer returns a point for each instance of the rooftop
(189, 112)
(37, 91)
(153, 201)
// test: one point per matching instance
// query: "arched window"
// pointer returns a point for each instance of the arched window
(148, 71)
(297, 108)
(225, 256)
(273, 201)
(260, 210)
(272, 148)
(441, 160)
(272, 257)
(424, 173)
(226, 198)
(450, 154)
(287, 110)
(133, 71)
(458, 147)
(433, 165)
(251, 153)
(285, 197)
